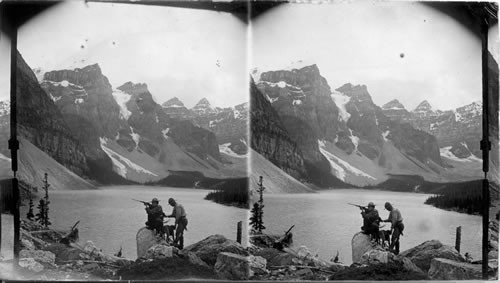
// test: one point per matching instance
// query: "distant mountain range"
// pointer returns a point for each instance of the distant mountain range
(107, 135)
(327, 137)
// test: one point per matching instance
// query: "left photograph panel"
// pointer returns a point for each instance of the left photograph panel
(132, 124)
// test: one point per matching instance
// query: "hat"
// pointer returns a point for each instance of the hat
(387, 204)
(171, 200)
(155, 200)
(371, 204)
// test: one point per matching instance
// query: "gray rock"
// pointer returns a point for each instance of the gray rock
(257, 265)
(30, 264)
(160, 251)
(422, 254)
(145, 239)
(275, 257)
(232, 266)
(209, 248)
(44, 257)
(446, 269)
(360, 245)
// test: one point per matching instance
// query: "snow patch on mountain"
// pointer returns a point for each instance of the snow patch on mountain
(78, 100)
(297, 102)
(340, 166)
(4, 157)
(271, 100)
(121, 163)
(55, 99)
(446, 152)
(135, 137)
(385, 134)
(165, 132)
(237, 114)
(121, 99)
(355, 140)
(341, 100)
(224, 148)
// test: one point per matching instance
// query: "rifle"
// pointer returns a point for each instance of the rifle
(143, 202)
(360, 206)
(288, 231)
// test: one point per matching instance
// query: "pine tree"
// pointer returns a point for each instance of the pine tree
(46, 186)
(257, 211)
(40, 216)
(30, 214)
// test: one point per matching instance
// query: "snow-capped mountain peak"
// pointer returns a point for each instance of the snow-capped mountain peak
(173, 102)
(423, 107)
(203, 106)
(393, 105)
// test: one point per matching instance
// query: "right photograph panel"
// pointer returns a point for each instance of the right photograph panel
(366, 123)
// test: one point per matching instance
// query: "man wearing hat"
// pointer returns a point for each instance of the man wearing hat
(179, 213)
(155, 216)
(371, 221)
(397, 226)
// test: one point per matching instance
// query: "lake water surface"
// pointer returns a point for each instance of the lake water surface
(325, 223)
(110, 218)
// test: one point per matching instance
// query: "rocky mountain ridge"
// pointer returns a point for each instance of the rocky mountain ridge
(459, 129)
(344, 136)
(124, 130)
(229, 124)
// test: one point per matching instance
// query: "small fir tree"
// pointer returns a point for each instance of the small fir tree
(40, 216)
(46, 186)
(257, 211)
(30, 214)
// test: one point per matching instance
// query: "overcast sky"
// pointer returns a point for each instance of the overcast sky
(194, 53)
(179, 52)
(362, 43)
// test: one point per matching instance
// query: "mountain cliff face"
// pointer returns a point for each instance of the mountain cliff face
(270, 138)
(42, 124)
(302, 99)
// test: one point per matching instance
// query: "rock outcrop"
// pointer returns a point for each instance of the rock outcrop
(360, 244)
(145, 239)
(231, 266)
(423, 254)
(447, 269)
(209, 248)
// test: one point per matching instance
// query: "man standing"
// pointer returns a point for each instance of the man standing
(371, 221)
(155, 216)
(397, 226)
(181, 222)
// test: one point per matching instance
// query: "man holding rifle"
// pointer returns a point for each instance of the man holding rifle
(371, 220)
(155, 215)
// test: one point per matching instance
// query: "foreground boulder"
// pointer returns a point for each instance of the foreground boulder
(30, 264)
(160, 251)
(423, 254)
(231, 266)
(446, 269)
(209, 248)
(378, 256)
(275, 257)
(360, 244)
(43, 257)
(145, 239)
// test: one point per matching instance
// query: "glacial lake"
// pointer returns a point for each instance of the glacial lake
(110, 218)
(325, 223)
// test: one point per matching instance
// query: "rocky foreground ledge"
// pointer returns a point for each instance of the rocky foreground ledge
(215, 257)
